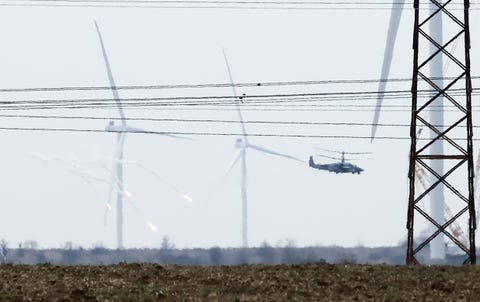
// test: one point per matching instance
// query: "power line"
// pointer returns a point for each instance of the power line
(325, 107)
(83, 130)
(271, 109)
(230, 5)
(207, 85)
(226, 99)
(279, 135)
(214, 85)
(200, 120)
(205, 103)
(178, 120)
(228, 2)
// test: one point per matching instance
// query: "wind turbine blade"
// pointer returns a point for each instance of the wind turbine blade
(456, 230)
(140, 130)
(232, 164)
(215, 187)
(110, 76)
(475, 188)
(477, 176)
(395, 16)
(264, 150)
(237, 100)
(421, 176)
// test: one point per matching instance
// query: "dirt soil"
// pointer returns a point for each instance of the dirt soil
(310, 282)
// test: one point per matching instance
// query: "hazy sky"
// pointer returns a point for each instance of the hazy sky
(50, 202)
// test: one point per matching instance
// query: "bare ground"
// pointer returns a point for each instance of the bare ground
(309, 282)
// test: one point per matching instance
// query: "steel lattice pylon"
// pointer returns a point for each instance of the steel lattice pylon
(441, 105)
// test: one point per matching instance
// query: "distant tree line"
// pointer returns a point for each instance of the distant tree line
(70, 254)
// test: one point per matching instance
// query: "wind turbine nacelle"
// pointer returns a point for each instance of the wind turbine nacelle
(239, 143)
(111, 127)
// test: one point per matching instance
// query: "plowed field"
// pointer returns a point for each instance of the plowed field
(310, 282)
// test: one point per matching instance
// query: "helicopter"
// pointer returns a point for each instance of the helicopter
(339, 167)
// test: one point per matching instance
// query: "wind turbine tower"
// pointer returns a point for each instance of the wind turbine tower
(243, 144)
(437, 196)
(122, 130)
(121, 134)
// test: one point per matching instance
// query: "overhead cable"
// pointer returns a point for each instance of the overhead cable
(179, 120)
(186, 133)
(217, 85)
(230, 5)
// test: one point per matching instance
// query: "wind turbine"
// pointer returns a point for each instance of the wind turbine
(121, 134)
(121, 130)
(243, 144)
(437, 246)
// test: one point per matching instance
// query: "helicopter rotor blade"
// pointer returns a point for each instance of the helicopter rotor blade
(342, 152)
(358, 153)
(330, 157)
